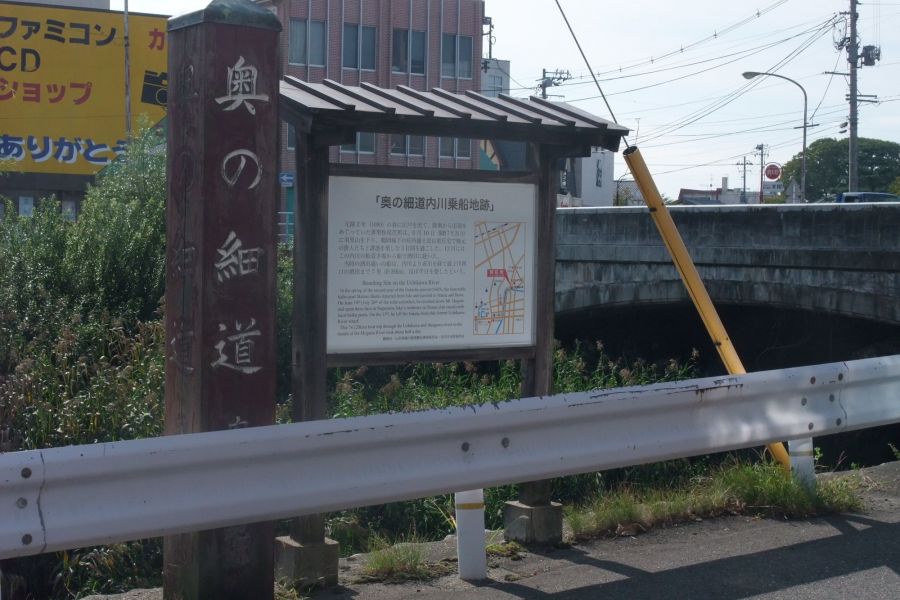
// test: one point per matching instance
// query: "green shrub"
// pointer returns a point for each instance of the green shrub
(34, 288)
(115, 254)
(99, 382)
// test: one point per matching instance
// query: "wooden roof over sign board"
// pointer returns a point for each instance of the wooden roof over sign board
(333, 113)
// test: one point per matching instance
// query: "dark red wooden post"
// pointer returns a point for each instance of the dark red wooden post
(220, 266)
(306, 557)
(534, 517)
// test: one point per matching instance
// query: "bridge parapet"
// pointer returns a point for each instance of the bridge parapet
(843, 259)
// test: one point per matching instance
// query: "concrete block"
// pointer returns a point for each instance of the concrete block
(533, 524)
(306, 566)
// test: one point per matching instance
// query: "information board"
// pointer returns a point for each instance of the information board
(429, 265)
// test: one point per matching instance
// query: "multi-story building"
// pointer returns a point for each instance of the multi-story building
(422, 44)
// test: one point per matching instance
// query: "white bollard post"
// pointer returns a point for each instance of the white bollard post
(470, 541)
(803, 465)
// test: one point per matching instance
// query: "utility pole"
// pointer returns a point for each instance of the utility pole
(856, 59)
(762, 161)
(744, 164)
(552, 79)
(853, 59)
(127, 75)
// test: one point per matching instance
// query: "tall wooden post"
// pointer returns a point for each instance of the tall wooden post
(306, 557)
(534, 517)
(220, 267)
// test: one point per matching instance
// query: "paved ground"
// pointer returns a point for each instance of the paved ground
(724, 558)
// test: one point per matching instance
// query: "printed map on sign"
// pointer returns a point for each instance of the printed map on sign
(499, 278)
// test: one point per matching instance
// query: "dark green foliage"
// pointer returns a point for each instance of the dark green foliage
(77, 362)
(827, 167)
(894, 188)
(81, 349)
(284, 302)
(33, 287)
(115, 256)
(108, 569)
(97, 382)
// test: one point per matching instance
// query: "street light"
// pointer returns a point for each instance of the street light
(751, 75)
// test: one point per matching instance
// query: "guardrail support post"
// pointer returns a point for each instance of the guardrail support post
(803, 464)
(220, 267)
(470, 540)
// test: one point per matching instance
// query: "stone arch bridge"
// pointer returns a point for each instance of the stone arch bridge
(837, 258)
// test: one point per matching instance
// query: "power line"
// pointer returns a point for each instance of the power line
(715, 35)
(584, 56)
(729, 98)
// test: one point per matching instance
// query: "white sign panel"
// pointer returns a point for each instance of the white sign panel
(429, 265)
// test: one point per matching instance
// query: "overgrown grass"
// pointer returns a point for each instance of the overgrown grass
(403, 561)
(98, 382)
(759, 488)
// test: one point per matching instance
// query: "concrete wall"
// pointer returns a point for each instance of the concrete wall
(842, 259)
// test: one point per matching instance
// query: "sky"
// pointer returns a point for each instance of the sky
(671, 72)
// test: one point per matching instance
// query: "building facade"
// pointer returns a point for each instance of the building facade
(422, 44)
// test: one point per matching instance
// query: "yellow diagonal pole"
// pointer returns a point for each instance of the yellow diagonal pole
(691, 278)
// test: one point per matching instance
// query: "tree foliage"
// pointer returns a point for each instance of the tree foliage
(827, 166)
(115, 256)
(895, 186)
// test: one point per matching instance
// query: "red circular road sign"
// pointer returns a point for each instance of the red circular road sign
(773, 171)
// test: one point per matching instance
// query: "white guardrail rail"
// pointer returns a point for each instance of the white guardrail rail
(79, 496)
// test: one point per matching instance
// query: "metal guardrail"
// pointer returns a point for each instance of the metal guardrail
(84, 495)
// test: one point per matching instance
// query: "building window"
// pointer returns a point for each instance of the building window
(408, 52)
(351, 46)
(416, 144)
(367, 49)
(365, 143)
(446, 147)
(417, 53)
(413, 145)
(291, 137)
(359, 47)
(400, 54)
(300, 43)
(465, 56)
(456, 56)
(448, 55)
(26, 206)
(398, 143)
(455, 147)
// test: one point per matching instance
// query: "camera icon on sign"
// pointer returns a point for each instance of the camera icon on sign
(156, 88)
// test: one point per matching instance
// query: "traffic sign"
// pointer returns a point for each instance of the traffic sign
(286, 179)
(773, 171)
